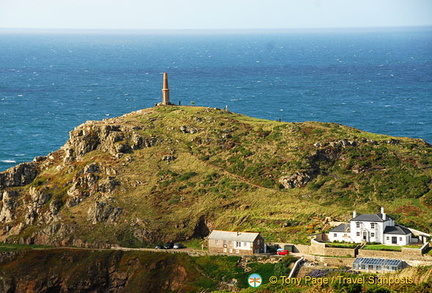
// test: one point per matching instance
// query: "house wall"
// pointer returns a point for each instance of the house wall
(400, 239)
(339, 236)
(236, 247)
(375, 234)
(232, 247)
(258, 245)
(365, 229)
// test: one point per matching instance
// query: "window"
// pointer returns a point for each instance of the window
(238, 244)
(372, 225)
(334, 235)
(400, 238)
(358, 233)
(388, 238)
(372, 234)
(216, 242)
(357, 224)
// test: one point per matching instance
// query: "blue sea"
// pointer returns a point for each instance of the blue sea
(50, 82)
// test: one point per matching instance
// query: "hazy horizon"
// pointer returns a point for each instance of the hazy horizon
(220, 15)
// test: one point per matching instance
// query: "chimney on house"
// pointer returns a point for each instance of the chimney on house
(354, 214)
(383, 214)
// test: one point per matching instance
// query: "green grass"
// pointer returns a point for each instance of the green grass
(341, 245)
(382, 247)
(413, 246)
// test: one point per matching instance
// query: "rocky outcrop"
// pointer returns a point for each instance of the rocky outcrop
(103, 211)
(297, 180)
(19, 175)
(188, 129)
(38, 199)
(8, 205)
(114, 139)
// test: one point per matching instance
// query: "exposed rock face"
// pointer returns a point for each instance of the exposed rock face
(8, 206)
(19, 175)
(98, 271)
(38, 199)
(201, 230)
(296, 180)
(103, 212)
(114, 139)
(188, 129)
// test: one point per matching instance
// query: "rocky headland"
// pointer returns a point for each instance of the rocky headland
(174, 173)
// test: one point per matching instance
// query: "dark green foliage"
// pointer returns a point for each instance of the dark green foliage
(340, 287)
(219, 267)
(187, 176)
(282, 267)
(377, 289)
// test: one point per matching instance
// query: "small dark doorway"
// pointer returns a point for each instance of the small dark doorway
(394, 240)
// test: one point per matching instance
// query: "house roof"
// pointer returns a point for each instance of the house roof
(341, 228)
(370, 218)
(233, 236)
(397, 230)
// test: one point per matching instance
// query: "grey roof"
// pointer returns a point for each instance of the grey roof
(398, 230)
(377, 261)
(233, 236)
(341, 228)
(370, 218)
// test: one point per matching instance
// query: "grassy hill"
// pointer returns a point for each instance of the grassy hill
(175, 173)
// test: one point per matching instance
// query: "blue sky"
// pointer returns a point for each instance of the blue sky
(216, 14)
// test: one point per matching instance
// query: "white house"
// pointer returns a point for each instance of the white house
(378, 228)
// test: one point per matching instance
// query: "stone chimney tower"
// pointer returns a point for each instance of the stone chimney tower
(165, 90)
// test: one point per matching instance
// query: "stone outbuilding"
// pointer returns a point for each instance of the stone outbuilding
(230, 242)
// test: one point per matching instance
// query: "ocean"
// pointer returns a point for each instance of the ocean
(50, 82)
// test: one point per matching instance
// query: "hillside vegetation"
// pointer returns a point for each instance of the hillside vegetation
(85, 270)
(173, 173)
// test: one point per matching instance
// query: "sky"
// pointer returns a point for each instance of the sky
(215, 14)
